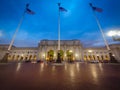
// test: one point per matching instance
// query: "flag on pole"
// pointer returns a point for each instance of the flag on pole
(62, 9)
(96, 8)
(28, 10)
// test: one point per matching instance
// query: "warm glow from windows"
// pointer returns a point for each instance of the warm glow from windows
(22, 55)
(65, 55)
(76, 55)
(89, 50)
(44, 55)
(70, 51)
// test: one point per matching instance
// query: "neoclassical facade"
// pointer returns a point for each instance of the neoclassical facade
(69, 49)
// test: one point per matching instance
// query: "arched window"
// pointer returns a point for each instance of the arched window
(102, 57)
(85, 57)
(93, 57)
(35, 57)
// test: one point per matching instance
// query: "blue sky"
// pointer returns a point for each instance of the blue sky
(78, 23)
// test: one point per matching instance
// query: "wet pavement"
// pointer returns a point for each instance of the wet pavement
(76, 76)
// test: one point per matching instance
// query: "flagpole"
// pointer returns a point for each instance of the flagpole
(112, 58)
(100, 28)
(58, 27)
(18, 27)
(58, 54)
(5, 58)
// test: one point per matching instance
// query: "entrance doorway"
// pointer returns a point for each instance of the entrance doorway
(50, 55)
(69, 54)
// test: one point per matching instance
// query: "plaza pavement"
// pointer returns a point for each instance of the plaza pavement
(67, 76)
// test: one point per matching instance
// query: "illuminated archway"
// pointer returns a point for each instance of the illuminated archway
(30, 57)
(69, 54)
(35, 57)
(17, 57)
(98, 57)
(102, 57)
(85, 57)
(61, 54)
(21, 58)
(50, 55)
(13, 57)
(93, 57)
(9, 57)
(106, 57)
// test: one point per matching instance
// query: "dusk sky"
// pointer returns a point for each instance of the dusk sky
(78, 23)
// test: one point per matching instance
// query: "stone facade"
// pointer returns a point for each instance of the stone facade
(70, 49)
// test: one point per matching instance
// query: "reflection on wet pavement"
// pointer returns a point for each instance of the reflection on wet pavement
(69, 76)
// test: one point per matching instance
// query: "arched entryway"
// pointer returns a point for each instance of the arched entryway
(21, 58)
(35, 57)
(69, 54)
(17, 58)
(50, 55)
(61, 54)
(30, 57)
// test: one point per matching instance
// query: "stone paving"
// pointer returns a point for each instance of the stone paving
(72, 76)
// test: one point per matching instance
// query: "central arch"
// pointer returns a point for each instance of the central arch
(61, 54)
(69, 54)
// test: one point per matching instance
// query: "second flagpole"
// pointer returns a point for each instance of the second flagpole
(100, 28)
(112, 59)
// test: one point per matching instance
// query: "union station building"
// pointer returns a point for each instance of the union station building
(69, 50)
